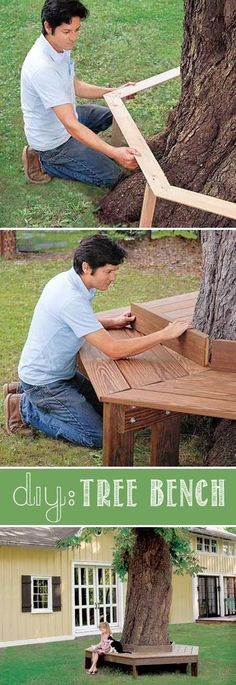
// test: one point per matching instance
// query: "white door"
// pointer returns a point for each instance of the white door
(96, 597)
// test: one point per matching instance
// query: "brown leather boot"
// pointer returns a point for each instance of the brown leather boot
(9, 388)
(32, 167)
(13, 420)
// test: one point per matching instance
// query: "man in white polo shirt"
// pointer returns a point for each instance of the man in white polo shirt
(52, 395)
(62, 136)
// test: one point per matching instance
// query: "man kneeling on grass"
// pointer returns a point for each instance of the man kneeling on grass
(52, 395)
(62, 136)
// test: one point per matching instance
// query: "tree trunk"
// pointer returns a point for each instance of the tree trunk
(197, 148)
(7, 243)
(149, 591)
(215, 314)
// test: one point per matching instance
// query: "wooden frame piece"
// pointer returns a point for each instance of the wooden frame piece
(158, 185)
(193, 344)
(223, 355)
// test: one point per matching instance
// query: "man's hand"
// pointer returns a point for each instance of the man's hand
(175, 329)
(125, 156)
(123, 320)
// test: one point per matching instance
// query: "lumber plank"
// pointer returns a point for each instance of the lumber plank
(134, 418)
(193, 344)
(146, 160)
(117, 138)
(102, 371)
(148, 208)
(176, 313)
(206, 203)
(155, 365)
(165, 438)
(150, 397)
(189, 366)
(223, 355)
(118, 447)
(172, 299)
(211, 384)
(151, 82)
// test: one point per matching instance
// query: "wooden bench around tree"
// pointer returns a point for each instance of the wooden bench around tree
(154, 389)
(173, 655)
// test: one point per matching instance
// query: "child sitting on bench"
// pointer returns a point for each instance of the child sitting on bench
(105, 646)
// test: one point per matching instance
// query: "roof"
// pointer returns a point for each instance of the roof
(46, 536)
(39, 536)
(216, 532)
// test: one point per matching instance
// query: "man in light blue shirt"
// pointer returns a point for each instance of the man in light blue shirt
(52, 395)
(62, 136)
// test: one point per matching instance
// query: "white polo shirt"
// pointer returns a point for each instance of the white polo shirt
(61, 319)
(47, 80)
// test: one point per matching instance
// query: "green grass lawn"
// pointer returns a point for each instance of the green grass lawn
(121, 41)
(63, 662)
(21, 282)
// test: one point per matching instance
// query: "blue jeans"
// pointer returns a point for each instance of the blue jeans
(76, 161)
(65, 409)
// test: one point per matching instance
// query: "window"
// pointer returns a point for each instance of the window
(199, 544)
(41, 589)
(208, 545)
(40, 594)
(213, 546)
(229, 549)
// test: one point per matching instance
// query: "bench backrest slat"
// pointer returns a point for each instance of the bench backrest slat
(223, 355)
(193, 344)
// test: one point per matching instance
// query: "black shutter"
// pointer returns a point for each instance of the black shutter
(26, 593)
(56, 593)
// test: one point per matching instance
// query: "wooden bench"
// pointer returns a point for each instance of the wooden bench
(173, 655)
(154, 389)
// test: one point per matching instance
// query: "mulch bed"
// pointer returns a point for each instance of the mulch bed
(175, 253)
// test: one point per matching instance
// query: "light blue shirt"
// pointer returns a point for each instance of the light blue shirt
(47, 80)
(61, 319)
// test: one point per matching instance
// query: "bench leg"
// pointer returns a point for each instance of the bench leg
(148, 208)
(194, 669)
(87, 663)
(118, 447)
(117, 138)
(165, 437)
(135, 671)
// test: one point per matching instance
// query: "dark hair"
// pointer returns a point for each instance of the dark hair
(57, 12)
(98, 250)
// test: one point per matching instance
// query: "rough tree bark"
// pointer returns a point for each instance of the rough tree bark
(197, 148)
(215, 314)
(149, 591)
(7, 243)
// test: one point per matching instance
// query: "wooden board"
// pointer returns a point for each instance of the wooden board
(210, 393)
(102, 371)
(148, 208)
(173, 299)
(206, 203)
(192, 344)
(155, 365)
(146, 160)
(223, 355)
(124, 91)
(187, 364)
